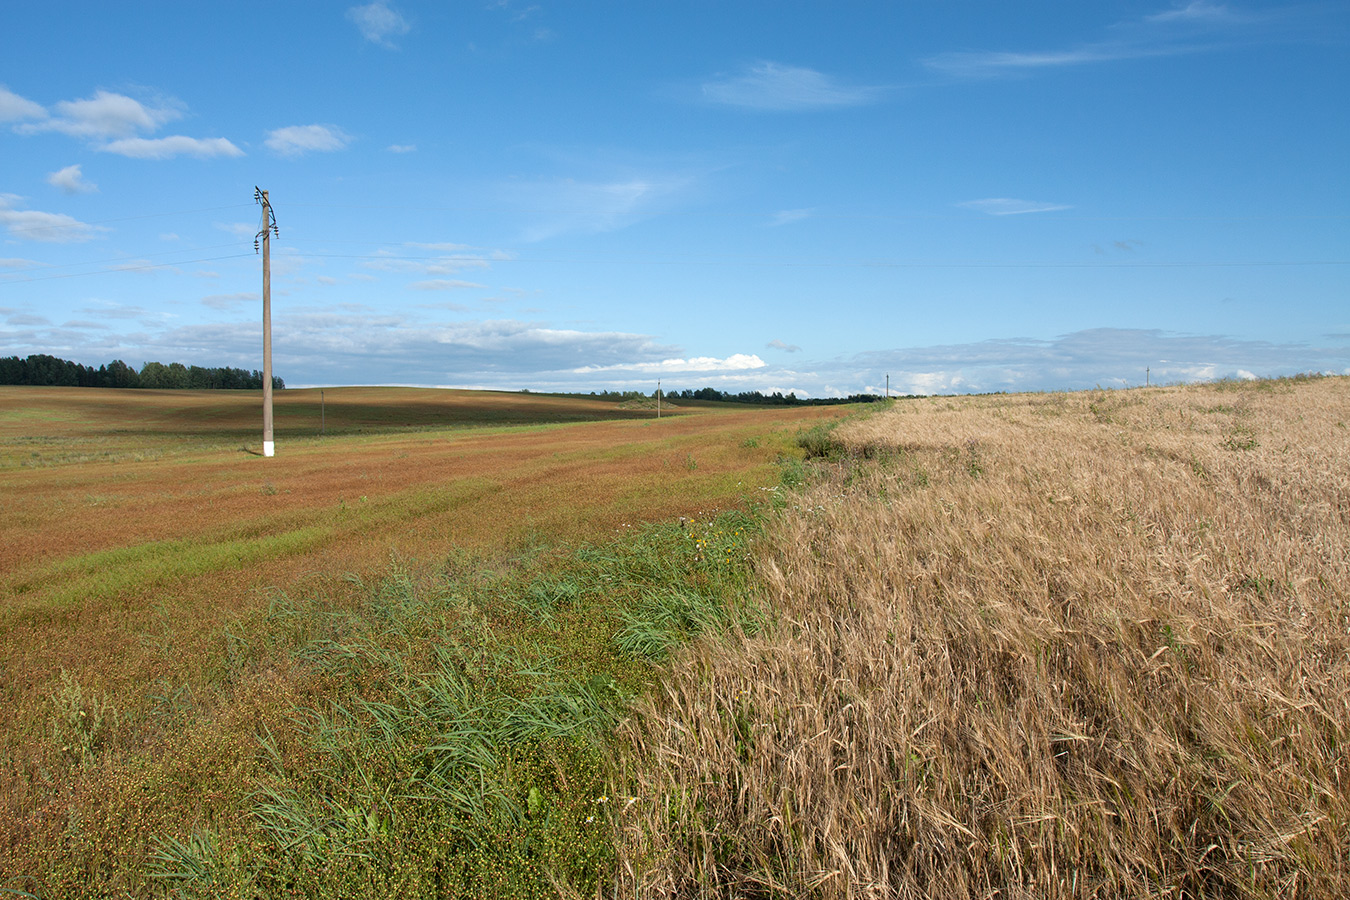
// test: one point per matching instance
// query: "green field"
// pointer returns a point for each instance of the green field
(199, 641)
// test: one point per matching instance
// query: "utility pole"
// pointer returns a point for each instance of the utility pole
(658, 398)
(323, 416)
(1146, 370)
(269, 227)
(888, 385)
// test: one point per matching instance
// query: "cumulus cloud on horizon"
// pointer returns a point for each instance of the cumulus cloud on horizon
(353, 344)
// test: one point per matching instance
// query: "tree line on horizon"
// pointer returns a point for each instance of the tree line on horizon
(777, 398)
(41, 370)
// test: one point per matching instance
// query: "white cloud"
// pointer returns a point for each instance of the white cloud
(229, 301)
(1192, 28)
(1114, 357)
(570, 206)
(785, 347)
(71, 180)
(116, 123)
(775, 87)
(51, 228)
(379, 22)
(1198, 10)
(169, 147)
(143, 266)
(451, 262)
(13, 263)
(444, 284)
(297, 140)
(1005, 206)
(239, 229)
(14, 108)
(978, 64)
(788, 216)
(106, 115)
(402, 148)
(675, 367)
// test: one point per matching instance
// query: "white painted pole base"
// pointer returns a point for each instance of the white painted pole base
(269, 448)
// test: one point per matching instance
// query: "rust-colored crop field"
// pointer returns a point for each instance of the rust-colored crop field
(138, 524)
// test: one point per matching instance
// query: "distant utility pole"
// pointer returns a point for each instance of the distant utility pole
(1145, 376)
(269, 227)
(658, 398)
(888, 385)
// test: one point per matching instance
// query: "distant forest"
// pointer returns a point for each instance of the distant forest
(774, 399)
(47, 371)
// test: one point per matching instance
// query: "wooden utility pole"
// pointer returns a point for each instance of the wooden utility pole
(269, 226)
(658, 398)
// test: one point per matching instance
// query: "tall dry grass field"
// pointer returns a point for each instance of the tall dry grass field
(1084, 645)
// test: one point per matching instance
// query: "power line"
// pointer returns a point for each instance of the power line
(82, 224)
(703, 261)
(968, 216)
(859, 264)
(4, 280)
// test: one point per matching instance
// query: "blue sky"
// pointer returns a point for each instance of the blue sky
(750, 195)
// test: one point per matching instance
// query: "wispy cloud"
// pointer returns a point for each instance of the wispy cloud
(789, 216)
(71, 181)
(379, 23)
(14, 108)
(402, 148)
(229, 301)
(297, 140)
(1006, 206)
(14, 263)
(772, 86)
(51, 228)
(450, 258)
(1110, 357)
(1200, 11)
(977, 64)
(784, 346)
(571, 206)
(1192, 28)
(444, 284)
(169, 147)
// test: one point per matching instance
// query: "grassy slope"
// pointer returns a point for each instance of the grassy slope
(172, 604)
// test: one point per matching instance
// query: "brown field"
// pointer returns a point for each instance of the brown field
(139, 524)
(1088, 645)
(1037, 646)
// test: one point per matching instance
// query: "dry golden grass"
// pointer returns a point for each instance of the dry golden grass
(1087, 645)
